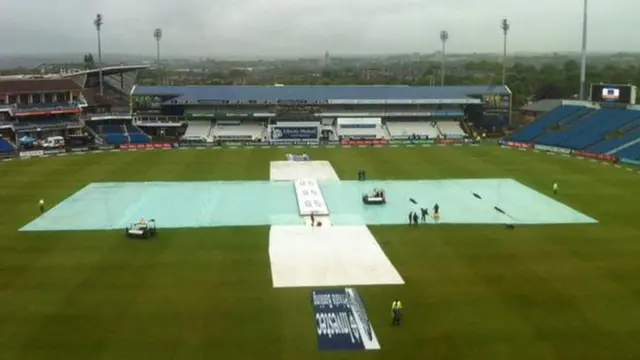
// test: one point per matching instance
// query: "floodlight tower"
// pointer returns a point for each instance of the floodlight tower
(505, 26)
(444, 36)
(98, 22)
(583, 65)
(157, 34)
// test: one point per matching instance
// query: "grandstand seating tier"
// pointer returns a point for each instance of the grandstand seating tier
(139, 138)
(450, 128)
(613, 143)
(605, 130)
(199, 129)
(631, 152)
(406, 129)
(540, 125)
(575, 117)
(591, 130)
(116, 139)
(116, 134)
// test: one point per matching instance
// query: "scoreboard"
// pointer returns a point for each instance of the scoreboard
(613, 94)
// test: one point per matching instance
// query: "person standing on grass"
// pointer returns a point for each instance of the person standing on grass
(424, 212)
(555, 188)
(41, 205)
(415, 218)
(396, 312)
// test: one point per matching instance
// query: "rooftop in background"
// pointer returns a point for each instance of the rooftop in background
(24, 86)
(545, 105)
(109, 70)
(316, 93)
(120, 79)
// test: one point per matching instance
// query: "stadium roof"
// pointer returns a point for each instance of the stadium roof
(34, 86)
(316, 93)
(109, 70)
(545, 105)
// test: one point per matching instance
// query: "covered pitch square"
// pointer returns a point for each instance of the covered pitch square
(253, 203)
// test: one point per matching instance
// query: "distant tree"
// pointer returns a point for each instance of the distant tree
(548, 91)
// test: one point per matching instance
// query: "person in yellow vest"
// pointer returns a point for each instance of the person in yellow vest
(396, 312)
(436, 212)
(41, 205)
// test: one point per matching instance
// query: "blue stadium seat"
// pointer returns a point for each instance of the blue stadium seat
(112, 129)
(139, 138)
(611, 144)
(540, 125)
(592, 130)
(116, 139)
(631, 152)
(575, 117)
(136, 136)
(132, 128)
(116, 134)
(632, 126)
(5, 146)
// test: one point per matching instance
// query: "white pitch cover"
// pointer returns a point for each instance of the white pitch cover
(310, 199)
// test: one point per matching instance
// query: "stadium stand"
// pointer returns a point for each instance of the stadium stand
(57, 105)
(540, 125)
(619, 138)
(360, 128)
(630, 152)
(46, 122)
(450, 129)
(117, 85)
(406, 129)
(590, 129)
(487, 107)
(136, 135)
(601, 130)
(112, 134)
(118, 134)
(199, 130)
(237, 131)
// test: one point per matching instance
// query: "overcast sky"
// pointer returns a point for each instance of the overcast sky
(304, 27)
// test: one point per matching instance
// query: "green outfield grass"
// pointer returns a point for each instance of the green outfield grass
(472, 292)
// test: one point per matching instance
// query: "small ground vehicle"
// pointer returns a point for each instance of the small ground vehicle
(142, 229)
(53, 142)
(375, 198)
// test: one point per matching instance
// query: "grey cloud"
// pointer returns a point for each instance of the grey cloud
(297, 27)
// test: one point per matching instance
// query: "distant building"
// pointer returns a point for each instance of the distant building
(327, 59)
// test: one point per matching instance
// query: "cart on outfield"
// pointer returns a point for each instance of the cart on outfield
(142, 229)
(375, 198)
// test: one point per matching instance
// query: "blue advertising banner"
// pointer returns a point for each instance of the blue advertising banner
(295, 133)
(341, 321)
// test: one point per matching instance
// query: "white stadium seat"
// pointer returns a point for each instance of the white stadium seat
(198, 130)
(450, 129)
(406, 129)
(372, 133)
(242, 131)
(360, 128)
